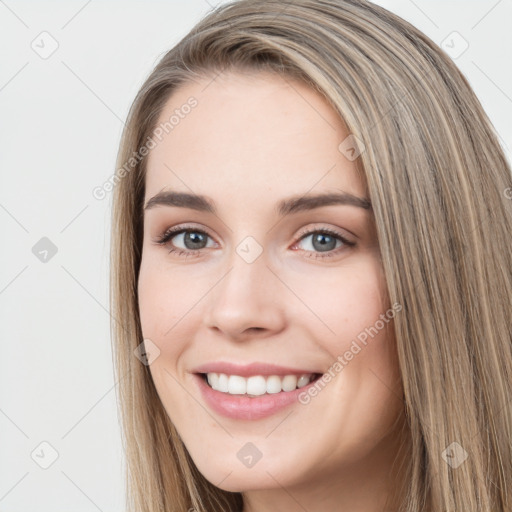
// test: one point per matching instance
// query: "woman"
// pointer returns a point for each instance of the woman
(311, 271)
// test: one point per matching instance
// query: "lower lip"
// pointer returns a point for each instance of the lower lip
(243, 407)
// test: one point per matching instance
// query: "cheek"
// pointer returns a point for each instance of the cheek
(165, 298)
(163, 303)
(353, 323)
(343, 301)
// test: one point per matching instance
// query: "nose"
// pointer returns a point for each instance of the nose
(246, 303)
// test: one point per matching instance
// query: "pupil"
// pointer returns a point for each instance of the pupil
(322, 244)
(194, 238)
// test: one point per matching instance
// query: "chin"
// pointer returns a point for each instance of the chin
(237, 478)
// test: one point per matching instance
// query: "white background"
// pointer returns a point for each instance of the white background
(61, 120)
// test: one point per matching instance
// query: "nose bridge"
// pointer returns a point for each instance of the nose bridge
(247, 296)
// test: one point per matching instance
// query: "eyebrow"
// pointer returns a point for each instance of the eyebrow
(285, 207)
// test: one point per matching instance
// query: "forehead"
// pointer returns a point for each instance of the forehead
(248, 136)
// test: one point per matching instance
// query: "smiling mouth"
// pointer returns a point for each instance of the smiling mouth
(257, 385)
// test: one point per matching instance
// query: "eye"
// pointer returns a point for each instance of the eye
(324, 241)
(193, 240)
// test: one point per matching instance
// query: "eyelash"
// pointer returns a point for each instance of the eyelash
(177, 230)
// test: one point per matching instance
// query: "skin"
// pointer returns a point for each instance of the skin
(253, 140)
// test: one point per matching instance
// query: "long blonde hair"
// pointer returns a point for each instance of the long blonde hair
(440, 188)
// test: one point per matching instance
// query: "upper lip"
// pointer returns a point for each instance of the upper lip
(249, 370)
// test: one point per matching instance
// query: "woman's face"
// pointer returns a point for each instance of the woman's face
(270, 285)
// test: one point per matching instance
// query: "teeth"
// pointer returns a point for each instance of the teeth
(222, 383)
(303, 381)
(290, 382)
(257, 385)
(237, 385)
